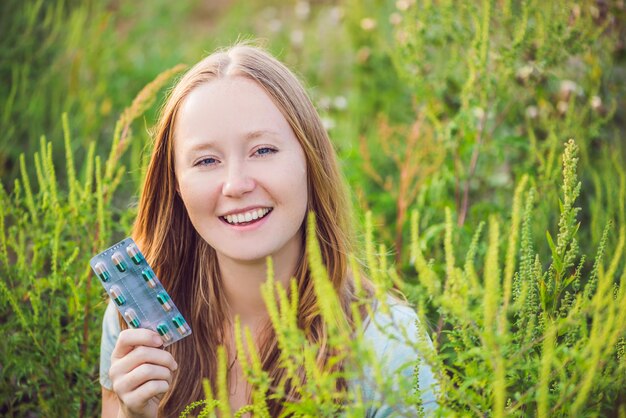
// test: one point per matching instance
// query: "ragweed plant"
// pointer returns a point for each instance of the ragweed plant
(49, 308)
(529, 339)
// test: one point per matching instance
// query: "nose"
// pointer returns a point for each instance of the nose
(237, 182)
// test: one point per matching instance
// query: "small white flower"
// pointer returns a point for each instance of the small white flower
(275, 25)
(368, 24)
(328, 123)
(524, 72)
(297, 37)
(395, 19)
(568, 89)
(303, 9)
(403, 5)
(532, 112)
(340, 103)
(568, 86)
(596, 102)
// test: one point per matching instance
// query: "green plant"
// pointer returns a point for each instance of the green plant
(524, 322)
(523, 339)
(51, 311)
(496, 88)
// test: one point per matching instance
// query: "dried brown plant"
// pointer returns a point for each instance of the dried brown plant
(416, 154)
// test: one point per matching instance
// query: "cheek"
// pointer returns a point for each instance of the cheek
(299, 191)
(196, 194)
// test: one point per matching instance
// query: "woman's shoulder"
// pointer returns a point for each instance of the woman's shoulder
(394, 320)
(393, 310)
(110, 320)
(110, 331)
(399, 342)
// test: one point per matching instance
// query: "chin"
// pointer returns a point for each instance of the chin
(243, 256)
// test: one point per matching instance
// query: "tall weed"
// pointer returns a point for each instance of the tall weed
(51, 311)
(450, 130)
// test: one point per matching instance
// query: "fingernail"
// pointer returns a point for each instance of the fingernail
(175, 366)
(157, 340)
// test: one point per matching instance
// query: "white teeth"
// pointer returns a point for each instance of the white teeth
(247, 216)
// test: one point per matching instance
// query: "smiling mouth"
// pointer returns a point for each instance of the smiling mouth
(246, 218)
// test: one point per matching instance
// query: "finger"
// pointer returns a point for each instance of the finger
(131, 338)
(138, 398)
(141, 375)
(150, 355)
(138, 356)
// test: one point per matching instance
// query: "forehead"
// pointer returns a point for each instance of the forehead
(226, 108)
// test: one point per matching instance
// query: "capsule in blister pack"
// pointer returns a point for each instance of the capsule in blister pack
(137, 292)
(118, 260)
(164, 300)
(131, 318)
(181, 325)
(164, 332)
(148, 277)
(102, 272)
(117, 296)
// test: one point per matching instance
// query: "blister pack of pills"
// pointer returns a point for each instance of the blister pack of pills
(137, 292)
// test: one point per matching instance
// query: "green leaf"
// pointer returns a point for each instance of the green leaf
(558, 263)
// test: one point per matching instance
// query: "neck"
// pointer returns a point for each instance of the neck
(242, 282)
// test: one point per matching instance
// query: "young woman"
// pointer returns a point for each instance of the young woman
(240, 157)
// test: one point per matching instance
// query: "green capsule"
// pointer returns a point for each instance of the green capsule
(134, 253)
(180, 324)
(178, 320)
(102, 272)
(164, 332)
(117, 296)
(163, 299)
(131, 317)
(119, 262)
(148, 277)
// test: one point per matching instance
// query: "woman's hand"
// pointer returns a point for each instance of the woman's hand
(141, 372)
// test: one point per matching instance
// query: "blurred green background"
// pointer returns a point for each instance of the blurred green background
(90, 59)
(488, 109)
(430, 104)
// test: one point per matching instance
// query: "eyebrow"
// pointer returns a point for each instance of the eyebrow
(255, 134)
(201, 146)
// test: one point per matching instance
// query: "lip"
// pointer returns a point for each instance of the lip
(248, 227)
(244, 210)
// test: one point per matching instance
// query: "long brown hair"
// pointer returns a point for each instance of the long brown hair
(187, 265)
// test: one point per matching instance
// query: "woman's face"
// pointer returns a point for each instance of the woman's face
(240, 170)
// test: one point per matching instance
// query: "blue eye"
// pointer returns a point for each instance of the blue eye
(207, 161)
(265, 151)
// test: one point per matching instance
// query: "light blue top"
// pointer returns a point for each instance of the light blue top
(391, 337)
